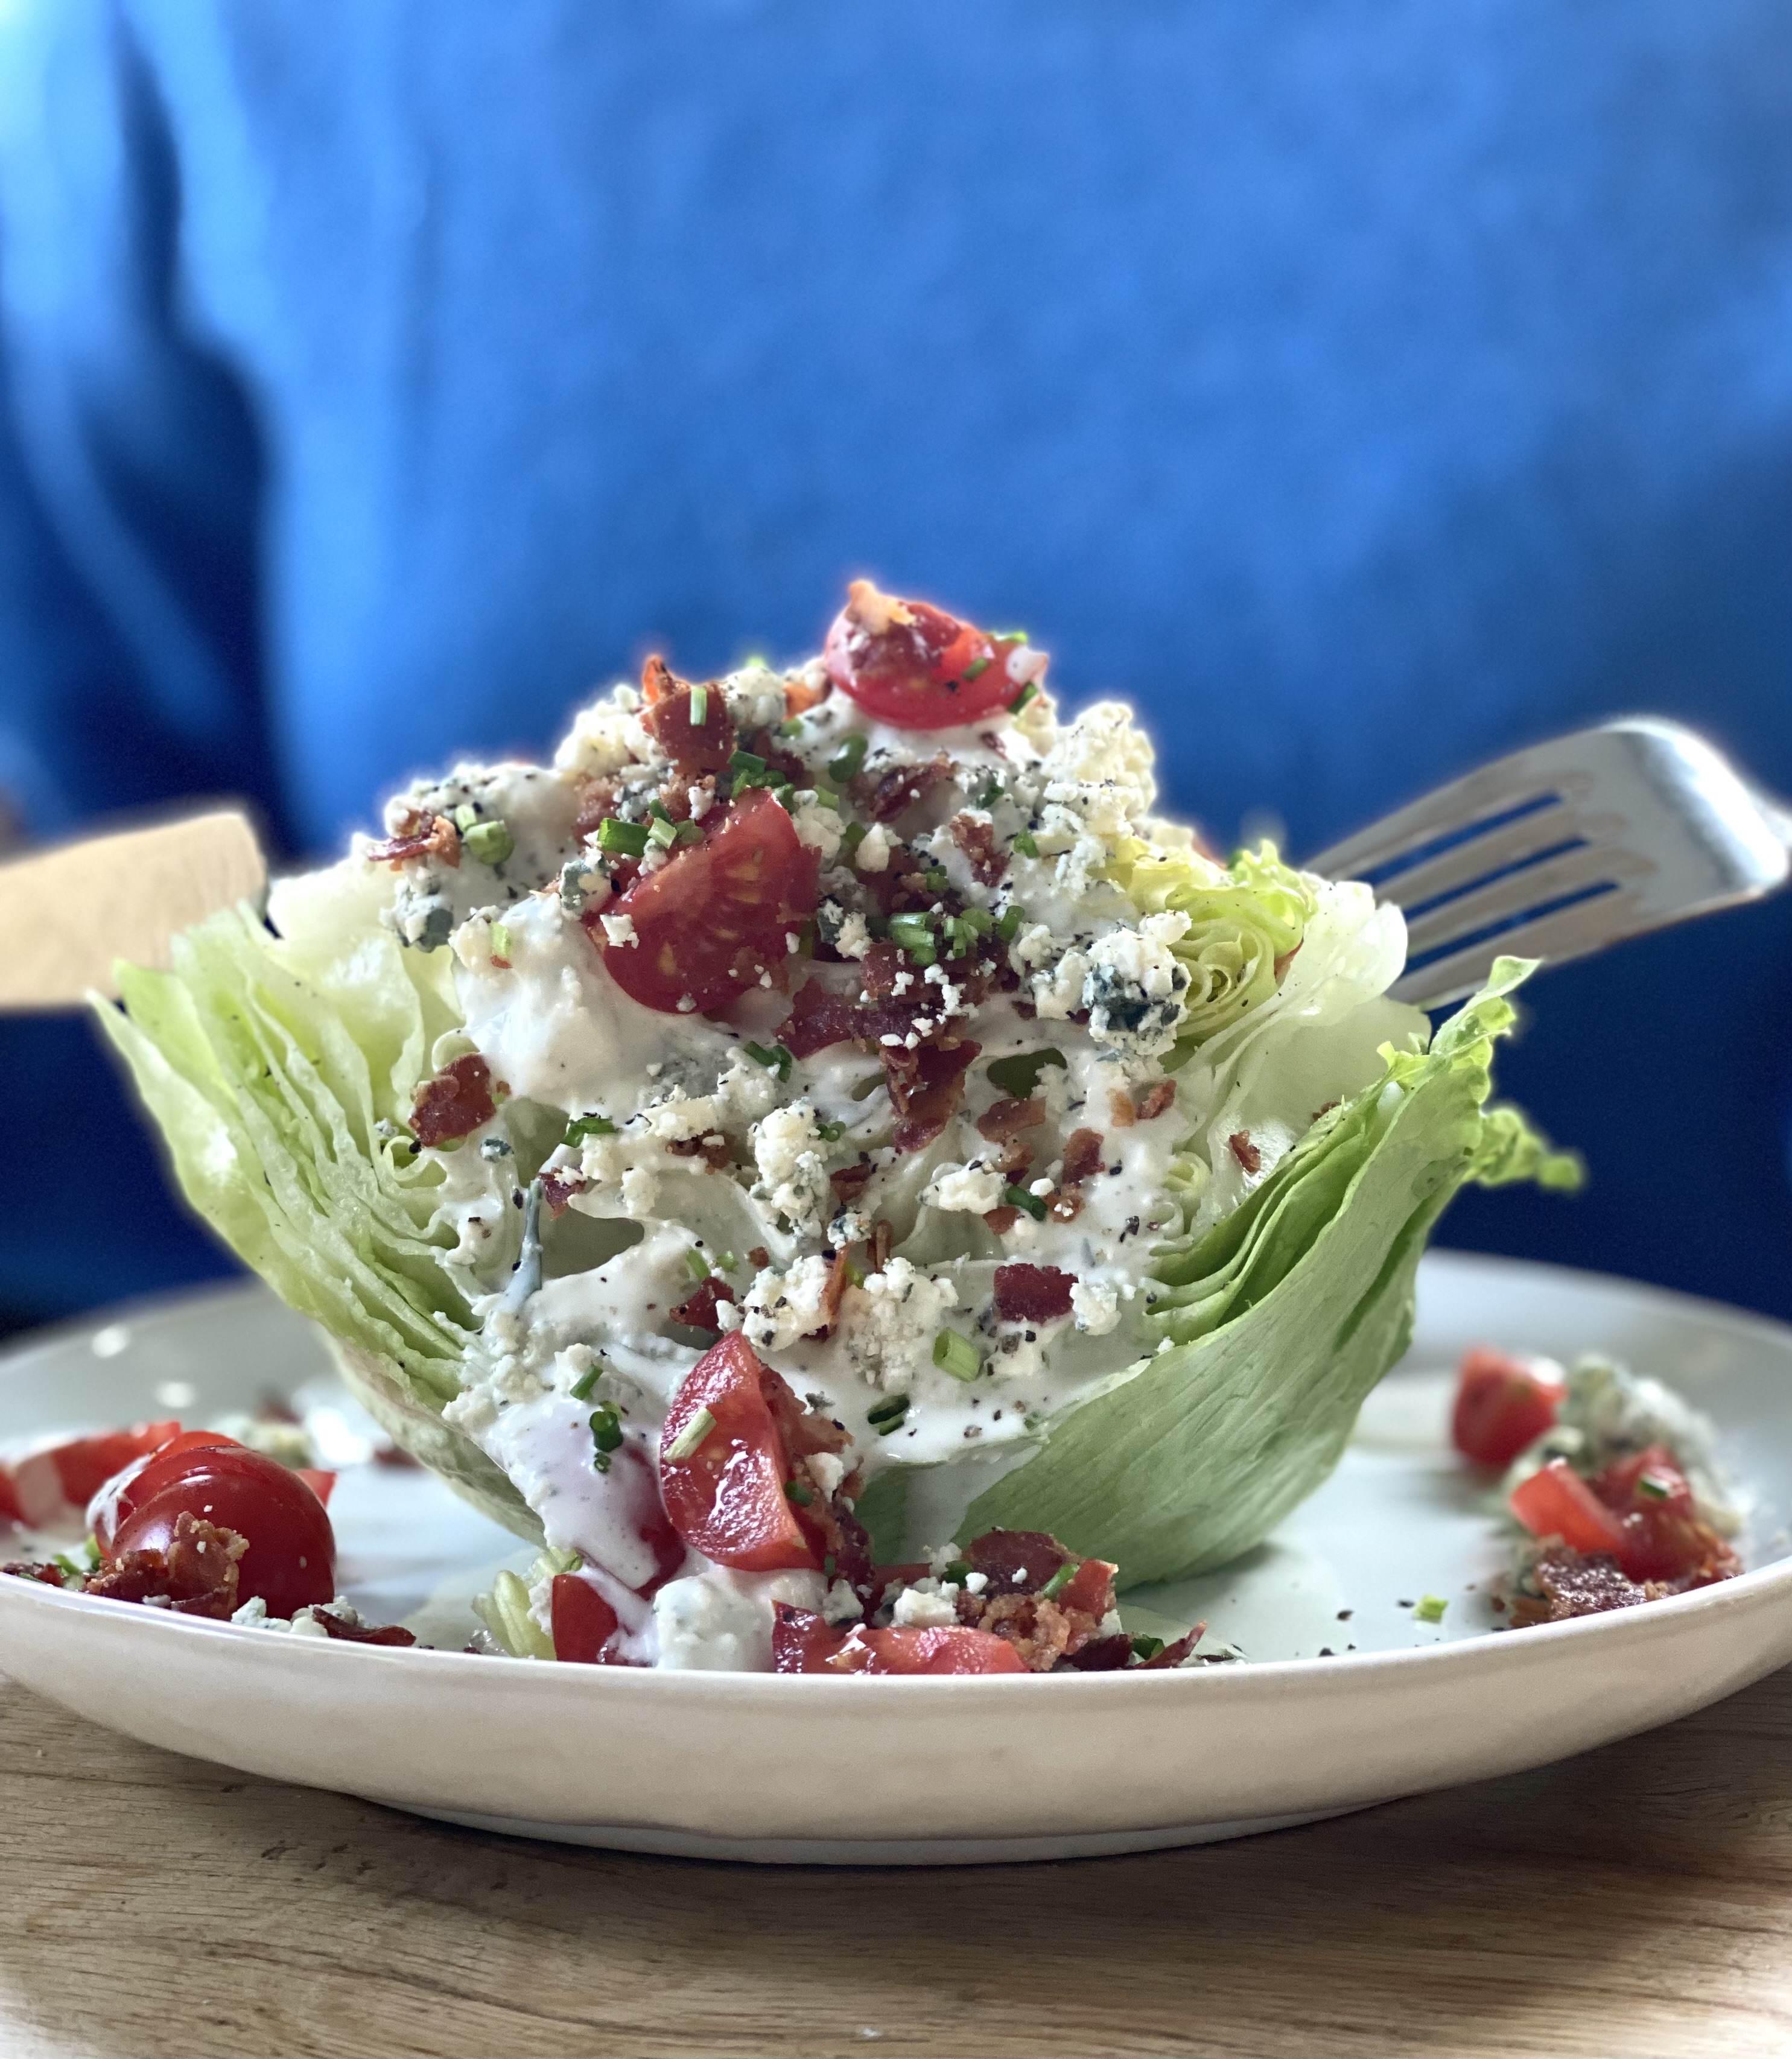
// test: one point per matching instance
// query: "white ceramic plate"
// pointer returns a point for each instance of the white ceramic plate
(926, 1771)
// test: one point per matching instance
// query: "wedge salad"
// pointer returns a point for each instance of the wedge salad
(825, 1115)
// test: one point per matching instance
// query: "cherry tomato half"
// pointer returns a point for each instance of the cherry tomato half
(1503, 1403)
(583, 1621)
(802, 1643)
(115, 1498)
(714, 917)
(916, 666)
(725, 1496)
(1556, 1502)
(291, 1558)
(40, 1488)
(1665, 1537)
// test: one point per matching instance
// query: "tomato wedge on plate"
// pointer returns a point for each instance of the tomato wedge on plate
(714, 918)
(40, 1488)
(1503, 1403)
(1556, 1502)
(583, 1621)
(802, 1643)
(915, 667)
(723, 1484)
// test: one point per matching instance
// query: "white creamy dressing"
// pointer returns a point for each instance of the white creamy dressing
(562, 1040)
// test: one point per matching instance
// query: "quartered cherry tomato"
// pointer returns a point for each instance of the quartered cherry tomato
(1665, 1537)
(291, 1558)
(1503, 1403)
(714, 917)
(802, 1643)
(916, 666)
(40, 1488)
(725, 1489)
(1556, 1502)
(583, 1621)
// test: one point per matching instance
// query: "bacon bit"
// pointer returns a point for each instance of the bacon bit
(883, 1242)
(1106, 1654)
(1014, 1157)
(455, 1103)
(927, 1086)
(1575, 1583)
(1032, 1294)
(362, 1633)
(1082, 1156)
(890, 793)
(1064, 1205)
(764, 743)
(818, 1018)
(1016, 1561)
(977, 841)
(1155, 1099)
(850, 1181)
(1120, 1108)
(1016, 1564)
(800, 695)
(197, 1573)
(838, 1279)
(699, 1312)
(1174, 1653)
(1000, 1221)
(421, 835)
(32, 1569)
(1006, 1117)
(1244, 1151)
(715, 1151)
(558, 1189)
(758, 1257)
(693, 748)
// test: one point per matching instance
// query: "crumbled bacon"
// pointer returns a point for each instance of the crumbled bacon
(196, 1574)
(1001, 1220)
(1104, 1654)
(1005, 1118)
(454, 1103)
(850, 1181)
(800, 695)
(927, 1085)
(1016, 1564)
(47, 1574)
(1121, 1108)
(419, 835)
(362, 1633)
(977, 841)
(698, 1311)
(883, 1242)
(1064, 1205)
(597, 799)
(1175, 1652)
(763, 743)
(1082, 1155)
(1575, 1583)
(715, 1151)
(884, 795)
(1013, 1158)
(558, 1189)
(1155, 1099)
(1032, 1294)
(1244, 1151)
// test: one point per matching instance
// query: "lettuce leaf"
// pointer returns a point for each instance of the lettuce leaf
(1276, 1322)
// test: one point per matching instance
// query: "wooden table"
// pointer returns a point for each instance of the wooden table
(1639, 1900)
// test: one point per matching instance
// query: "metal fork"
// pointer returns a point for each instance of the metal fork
(1566, 848)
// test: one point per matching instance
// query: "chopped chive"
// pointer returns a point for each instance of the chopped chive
(622, 839)
(979, 921)
(957, 1356)
(915, 934)
(990, 794)
(689, 1439)
(1018, 1077)
(777, 1060)
(1653, 1485)
(831, 1132)
(1008, 923)
(855, 835)
(490, 842)
(1060, 1580)
(888, 1415)
(662, 833)
(500, 940)
(687, 832)
(465, 816)
(726, 1261)
(957, 1572)
(587, 1380)
(1147, 1647)
(842, 767)
(1009, 636)
(936, 879)
(1429, 1608)
(828, 799)
(1024, 843)
(974, 669)
(1018, 1197)
(795, 1491)
(68, 1565)
(1029, 692)
(790, 725)
(963, 937)
(658, 810)
(699, 706)
(606, 1427)
(830, 1565)
(698, 1264)
(582, 1126)
(745, 765)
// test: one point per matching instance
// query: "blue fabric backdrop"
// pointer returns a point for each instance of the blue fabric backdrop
(1363, 388)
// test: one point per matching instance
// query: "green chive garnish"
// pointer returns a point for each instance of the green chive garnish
(1008, 923)
(1060, 1580)
(842, 767)
(662, 833)
(500, 940)
(957, 1572)
(957, 1354)
(606, 1434)
(915, 934)
(828, 797)
(1029, 692)
(888, 1415)
(1018, 1197)
(1147, 1647)
(698, 1264)
(854, 835)
(582, 1126)
(831, 1132)
(622, 839)
(465, 816)
(1429, 1608)
(1026, 845)
(975, 670)
(795, 1491)
(689, 1439)
(1653, 1485)
(777, 1060)
(699, 706)
(790, 725)
(582, 1387)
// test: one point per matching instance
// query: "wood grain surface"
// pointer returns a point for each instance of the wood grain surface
(1636, 1901)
